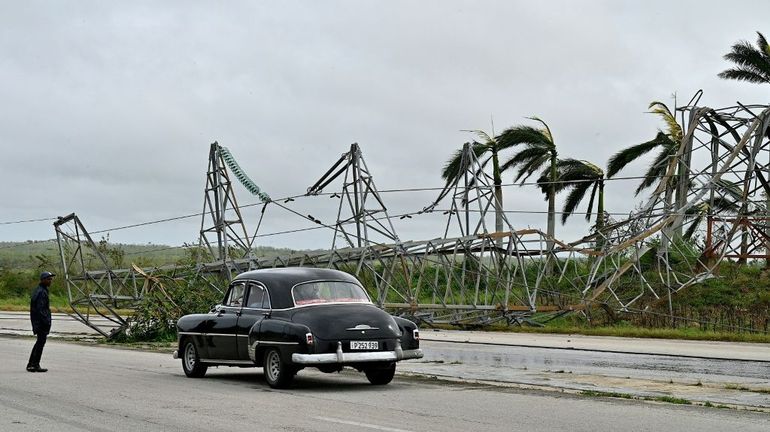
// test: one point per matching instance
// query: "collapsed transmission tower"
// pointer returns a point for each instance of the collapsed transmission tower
(223, 232)
(710, 205)
(717, 180)
(360, 203)
(94, 291)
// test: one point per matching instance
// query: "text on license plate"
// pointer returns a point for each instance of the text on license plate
(364, 345)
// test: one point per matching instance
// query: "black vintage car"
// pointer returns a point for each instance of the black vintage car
(287, 319)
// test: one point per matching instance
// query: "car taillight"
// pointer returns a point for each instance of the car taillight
(309, 338)
(416, 334)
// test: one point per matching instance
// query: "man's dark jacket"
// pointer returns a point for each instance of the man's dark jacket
(40, 310)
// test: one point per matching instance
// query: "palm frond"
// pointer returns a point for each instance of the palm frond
(743, 54)
(674, 130)
(454, 165)
(580, 167)
(546, 129)
(526, 171)
(763, 45)
(544, 181)
(656, 170)
(578, 176)
(572, 171)
(523, 156)
(573, 199)
(753, 64)
(693, 226)
(622, 158)
(591, 201)
(740, 74)
(481, 135)
(518, 135)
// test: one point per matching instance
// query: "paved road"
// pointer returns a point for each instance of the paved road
(106, 389)
(697, 379)
(17, 323)
(715, 372)
(608, 344)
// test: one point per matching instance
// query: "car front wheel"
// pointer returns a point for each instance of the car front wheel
(381, 375)
(278, 373)
(191, 364)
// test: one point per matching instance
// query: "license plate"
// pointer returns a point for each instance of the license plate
(364, 345)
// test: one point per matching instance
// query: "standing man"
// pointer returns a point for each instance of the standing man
(40, 314)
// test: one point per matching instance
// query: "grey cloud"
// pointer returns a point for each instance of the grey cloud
(109, 108)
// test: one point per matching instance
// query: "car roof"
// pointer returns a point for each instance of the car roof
(279, 281)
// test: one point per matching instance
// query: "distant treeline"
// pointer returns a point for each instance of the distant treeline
(36, 255)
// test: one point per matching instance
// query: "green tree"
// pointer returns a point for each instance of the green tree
(538, 152)
(752, 64)
(666, 142)
(580, 176)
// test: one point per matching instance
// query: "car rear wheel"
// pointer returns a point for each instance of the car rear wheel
(381, 375)
(278, 373)
(191, 364)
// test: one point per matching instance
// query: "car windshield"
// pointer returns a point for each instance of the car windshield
(328, 292)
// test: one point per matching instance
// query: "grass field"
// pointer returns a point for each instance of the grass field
(731, 307)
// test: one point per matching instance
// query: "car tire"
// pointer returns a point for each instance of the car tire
(278, 373)
(191, 363)
(381, 375)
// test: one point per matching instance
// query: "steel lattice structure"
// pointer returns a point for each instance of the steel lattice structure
(483, 276)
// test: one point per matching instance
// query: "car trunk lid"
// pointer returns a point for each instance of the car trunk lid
(347, 322)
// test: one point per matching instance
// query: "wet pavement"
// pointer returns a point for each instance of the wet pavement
(718, 381)
(715, 372)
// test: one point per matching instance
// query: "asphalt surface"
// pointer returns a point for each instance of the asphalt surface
(608, 344)
(731, 382)
(106, 389)
(735, 374)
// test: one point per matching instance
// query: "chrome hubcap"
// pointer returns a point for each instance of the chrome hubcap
(273, 366)
(189, 356)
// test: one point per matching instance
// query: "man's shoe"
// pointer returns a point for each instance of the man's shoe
(36, 369)
(31, 369)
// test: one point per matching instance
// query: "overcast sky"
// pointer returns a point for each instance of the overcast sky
(108, 108)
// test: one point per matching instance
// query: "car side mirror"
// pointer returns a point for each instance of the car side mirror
(215, 308)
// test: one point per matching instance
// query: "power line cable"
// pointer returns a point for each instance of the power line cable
(28, 221)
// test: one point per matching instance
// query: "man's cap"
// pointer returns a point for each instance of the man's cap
(46, 275)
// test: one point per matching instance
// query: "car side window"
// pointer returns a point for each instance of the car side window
(235, 298)
(258, 297)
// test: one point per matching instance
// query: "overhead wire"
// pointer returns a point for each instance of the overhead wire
(293, 197)
(28, 221)
(289, 198)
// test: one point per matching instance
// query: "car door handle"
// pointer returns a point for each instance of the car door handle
(238, 313)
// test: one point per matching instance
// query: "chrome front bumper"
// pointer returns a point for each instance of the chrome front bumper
(176, 354)
(356, 357)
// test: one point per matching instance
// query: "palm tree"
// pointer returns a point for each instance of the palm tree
(538, 152)
(668, 142)
(752, 64)
(453, 168)
(579, 176)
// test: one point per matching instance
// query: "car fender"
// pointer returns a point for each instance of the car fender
(287, 337)
(193, 326)
(408, 329)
